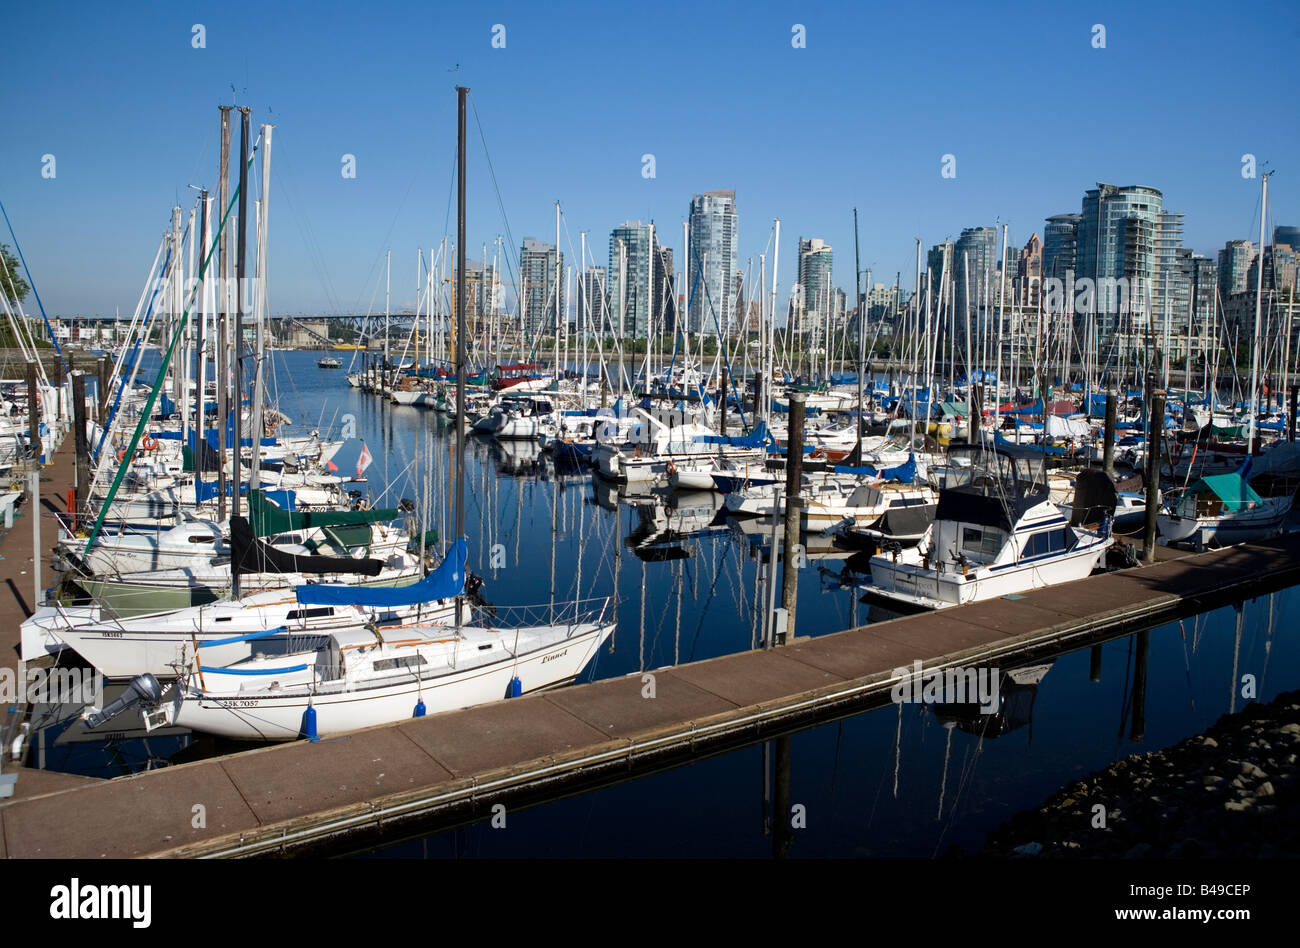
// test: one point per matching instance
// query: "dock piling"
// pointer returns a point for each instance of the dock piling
(1155, 437)
(794, 504)
(1108, 442)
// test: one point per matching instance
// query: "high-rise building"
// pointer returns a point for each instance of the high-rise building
(713, 239)
(1205, 283)
(1234, 263)
(663, 303)
(1116, 250)
(1173, 291)
(541, 298)
(1287, 235)
(630, 264)
(1029, 274)
(1060, 236)
(1279, 269)
(882, 301)
(814, 291)
(976, 269)
(594, 301)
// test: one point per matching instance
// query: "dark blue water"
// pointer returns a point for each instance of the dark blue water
(885, 783)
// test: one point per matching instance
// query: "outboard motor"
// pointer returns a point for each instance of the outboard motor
(143, 689)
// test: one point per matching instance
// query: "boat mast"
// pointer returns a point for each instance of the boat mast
(1259, 295)
(237, 385)
(263, 230)
(862, 338)
(461, 93)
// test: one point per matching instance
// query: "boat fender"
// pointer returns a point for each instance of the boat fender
(516, 688)
(420, 709)
(309, 724)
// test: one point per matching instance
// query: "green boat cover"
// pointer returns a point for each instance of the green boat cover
(1235, 493)
(268, 519)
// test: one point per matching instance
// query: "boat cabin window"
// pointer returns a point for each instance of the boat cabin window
(200, 539)
(321, 613)
(981, 542)
(406, 661)
(1049, 541)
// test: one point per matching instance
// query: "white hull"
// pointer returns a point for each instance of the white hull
(247, 716)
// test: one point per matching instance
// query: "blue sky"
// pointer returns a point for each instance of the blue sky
(861, 117)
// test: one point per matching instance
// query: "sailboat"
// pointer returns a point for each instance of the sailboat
(362, 676)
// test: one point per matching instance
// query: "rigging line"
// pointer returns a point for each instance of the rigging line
(505, 220)
(32, 283)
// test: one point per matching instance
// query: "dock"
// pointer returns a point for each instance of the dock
(383, 784)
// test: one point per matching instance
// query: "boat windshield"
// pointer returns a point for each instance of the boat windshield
(979, 469)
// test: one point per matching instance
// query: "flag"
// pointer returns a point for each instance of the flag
(363, 461)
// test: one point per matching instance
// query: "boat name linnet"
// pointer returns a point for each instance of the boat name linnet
(956, 685)
(548, 658)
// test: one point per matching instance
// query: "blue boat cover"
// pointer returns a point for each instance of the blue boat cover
(904, 473)
(446, 581)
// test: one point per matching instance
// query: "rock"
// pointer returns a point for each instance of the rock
(1208, 741)
(1234, 806)
(1213, 780)
(1265, 789)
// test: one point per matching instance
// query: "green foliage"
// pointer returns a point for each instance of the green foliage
(12, 271)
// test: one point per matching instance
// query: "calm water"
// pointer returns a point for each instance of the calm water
(893, 782)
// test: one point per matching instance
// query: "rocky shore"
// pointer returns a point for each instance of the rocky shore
(1232, 792)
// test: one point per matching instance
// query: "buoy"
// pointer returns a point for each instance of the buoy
(516, 688)
(309, 724)
(420, 709)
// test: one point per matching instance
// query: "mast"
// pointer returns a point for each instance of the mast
(259, 383)
(558, 277)
(241, 267)
(1259, 295)
(461, 93)
(223, 295)
(862, 336)
(388, 287)
(200, 344)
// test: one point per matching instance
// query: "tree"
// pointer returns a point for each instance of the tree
(17, 292)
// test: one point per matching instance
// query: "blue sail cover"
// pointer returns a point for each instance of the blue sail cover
(904, 473)
(755, 439)
(446, 581)
(208, 490)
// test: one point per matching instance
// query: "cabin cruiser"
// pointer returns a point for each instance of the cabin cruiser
(996, 532)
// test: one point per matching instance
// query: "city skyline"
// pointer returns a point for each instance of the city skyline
(89, 231)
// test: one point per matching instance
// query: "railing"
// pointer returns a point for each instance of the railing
(570, 613)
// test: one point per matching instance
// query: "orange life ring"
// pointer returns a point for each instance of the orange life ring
(150, 443)
(121, 455)
(671, 468)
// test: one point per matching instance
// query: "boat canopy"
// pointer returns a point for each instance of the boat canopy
(1232, 489)
(268, 519)
(446, 581)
